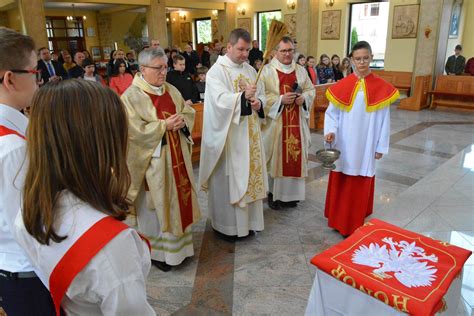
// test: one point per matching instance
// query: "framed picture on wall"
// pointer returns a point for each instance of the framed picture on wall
(405, 21)
(96, 55)
(244, 23)
(290, 21)
(185, 32)
(455, 17)
(331, 25)
(107, 50)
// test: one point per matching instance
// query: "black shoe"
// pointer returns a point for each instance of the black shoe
(289, 204)
(163, 266)
(224, 236)
(274, 205)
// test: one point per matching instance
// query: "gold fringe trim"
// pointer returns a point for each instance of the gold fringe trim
(383, 104)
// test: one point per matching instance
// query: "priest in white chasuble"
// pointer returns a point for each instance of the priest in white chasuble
(232, 164)
(357, 122)
(286, 134)
(159, 158)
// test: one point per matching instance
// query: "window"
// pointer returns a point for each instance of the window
(264, 19)
(369, 22)
(203, 30)
(64, 34)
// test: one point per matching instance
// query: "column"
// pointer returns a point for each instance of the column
(307, 26)
(4, 19)
(104, 25)
(33, 20)
(156, 21)
(226, 21)
(428, 38)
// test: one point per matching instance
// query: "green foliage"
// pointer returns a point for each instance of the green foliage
(265, 21)
(264, 32)
(354, 37)
(204, 31)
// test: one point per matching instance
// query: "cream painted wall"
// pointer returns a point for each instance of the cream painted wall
(468, 32)
(14, 20)
(190, 17)
(399, 53)
(121, 23)
(91, 21)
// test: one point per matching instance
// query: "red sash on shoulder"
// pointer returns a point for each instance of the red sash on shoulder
(80, 254)
(165, 107)
(403, 269)
(4, 131)
(291, 133)
(378, 92)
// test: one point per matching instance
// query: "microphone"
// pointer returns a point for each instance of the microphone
(296, 88)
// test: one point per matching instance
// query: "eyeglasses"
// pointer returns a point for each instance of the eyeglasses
(360, 60)
(35, 72)
(287, 51)
(159, 68)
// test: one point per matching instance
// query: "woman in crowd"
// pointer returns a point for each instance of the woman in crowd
(75, 197)
(336, 67)
(346, 67)
(120, 80)
(68, 63)
(311, 68)
(87, 54)
(324, 68)
(116, 54)
(257, 64)
(301, 60)
(89, 72)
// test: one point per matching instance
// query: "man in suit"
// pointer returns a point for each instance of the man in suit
(50, 70)
(192, 59)
(455, 64)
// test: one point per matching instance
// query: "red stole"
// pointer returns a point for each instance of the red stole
(4, 131)
(165, 107)
(80, 254)
(291, 134)
(378, 92)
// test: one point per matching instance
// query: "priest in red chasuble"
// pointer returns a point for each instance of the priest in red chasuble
(159, 158)
(357, 122)
(286, 135)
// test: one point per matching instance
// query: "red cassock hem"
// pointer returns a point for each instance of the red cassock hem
(349, 200)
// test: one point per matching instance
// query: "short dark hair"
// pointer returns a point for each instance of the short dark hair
(237, 34)
(41, 48)
(202, 70)
(177, 57)
(301, 56)
(310, 57)
(361, 45)
(458, 47)
(286, 40)
(17, 47)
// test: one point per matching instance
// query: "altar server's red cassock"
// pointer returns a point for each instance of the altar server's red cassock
(359, 116)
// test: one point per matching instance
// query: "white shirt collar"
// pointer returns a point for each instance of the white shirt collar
(284, 68)
(158, 90)
(13, 118)
(226, 61)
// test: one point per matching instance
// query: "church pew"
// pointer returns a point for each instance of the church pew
(419, 97)
(400, 79)
(197, 131)
(453, 92)
(320, 104)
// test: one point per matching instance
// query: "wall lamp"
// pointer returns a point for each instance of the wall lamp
(182, 15)
(291, 4)
(329, 3)
(241, 10)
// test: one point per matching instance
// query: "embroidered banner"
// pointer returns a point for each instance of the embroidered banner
(405, 270)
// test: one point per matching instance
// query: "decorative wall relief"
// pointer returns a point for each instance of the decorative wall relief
(331, 25)
(405, 21)
(244, 23)
(290, 21)
(185, 31)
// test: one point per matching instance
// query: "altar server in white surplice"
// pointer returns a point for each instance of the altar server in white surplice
(232, 166)
(286, 135)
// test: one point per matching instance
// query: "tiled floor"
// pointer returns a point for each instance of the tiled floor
(425, 184)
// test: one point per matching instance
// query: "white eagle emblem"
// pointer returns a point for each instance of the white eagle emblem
(403, 258)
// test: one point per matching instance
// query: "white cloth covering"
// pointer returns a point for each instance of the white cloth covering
(165, 247)
(331, 297)
(12, 171)
(287, 189)
(112, 283)
(359, 135)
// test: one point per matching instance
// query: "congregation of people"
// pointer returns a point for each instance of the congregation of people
(102, 157)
